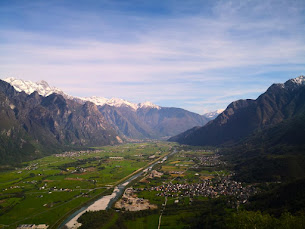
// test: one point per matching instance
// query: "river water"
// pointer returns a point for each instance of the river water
(104, 202)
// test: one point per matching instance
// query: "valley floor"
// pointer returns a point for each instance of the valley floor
(189, 188)
(47, 190)
(182, 186)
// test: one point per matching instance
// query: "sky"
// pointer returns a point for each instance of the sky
(197, 55)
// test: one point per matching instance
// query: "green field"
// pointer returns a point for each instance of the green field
(149, 222)
(44, 191)
(180, 209)
(175, 215)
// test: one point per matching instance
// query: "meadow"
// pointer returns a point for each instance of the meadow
(178, 168)
(47, 190)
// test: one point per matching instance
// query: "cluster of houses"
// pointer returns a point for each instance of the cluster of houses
(76, 153)
(30, 167)
(214, 188)
(77, 170)
(221, 185)
(209, 161)
(12, 187)
(116, 158)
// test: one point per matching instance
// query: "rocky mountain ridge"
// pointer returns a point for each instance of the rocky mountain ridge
(44, 89)
(242, 117)
(34, 125)
(132, 121)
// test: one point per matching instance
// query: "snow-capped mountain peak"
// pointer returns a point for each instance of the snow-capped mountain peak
(213, 114)
(148, 104)
(42, 87)
(117, 102)
(100, 101)
(295, 82)
(291, 84)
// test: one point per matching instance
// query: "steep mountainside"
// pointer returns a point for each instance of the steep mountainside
(134, 121)
(150, 122)
(126, 122)
(242, 117)
(278, 151)
(146, 120)
(32, 125)
(168, 121)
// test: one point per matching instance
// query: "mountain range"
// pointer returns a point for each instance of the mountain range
(131, 121)
(34, 125)
(37, 119)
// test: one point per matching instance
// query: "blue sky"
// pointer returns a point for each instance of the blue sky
(198, 55)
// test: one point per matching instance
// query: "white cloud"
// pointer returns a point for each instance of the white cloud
(184, 58)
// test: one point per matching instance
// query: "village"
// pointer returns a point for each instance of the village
(212, 185)
(212, 188)
(181, 177)
(77, 153)
(209, 160)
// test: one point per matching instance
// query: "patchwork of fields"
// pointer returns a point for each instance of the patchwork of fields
(47, 190)
(189, 183)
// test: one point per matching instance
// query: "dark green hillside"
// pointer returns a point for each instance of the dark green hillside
(289, 197)
(275, 153)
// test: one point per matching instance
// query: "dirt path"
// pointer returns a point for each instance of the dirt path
(165, 202)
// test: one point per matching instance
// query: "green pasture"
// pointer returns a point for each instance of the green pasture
(149, 222)
(44, 190)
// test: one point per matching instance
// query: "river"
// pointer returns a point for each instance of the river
(105, 201)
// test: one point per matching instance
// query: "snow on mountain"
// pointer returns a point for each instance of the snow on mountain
(44, 89)
(213, 114)
(299, 80)
(148, 104)
(294, 83)
(100, 101)
(117, 102)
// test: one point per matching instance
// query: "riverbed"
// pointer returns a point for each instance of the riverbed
(104, 202)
